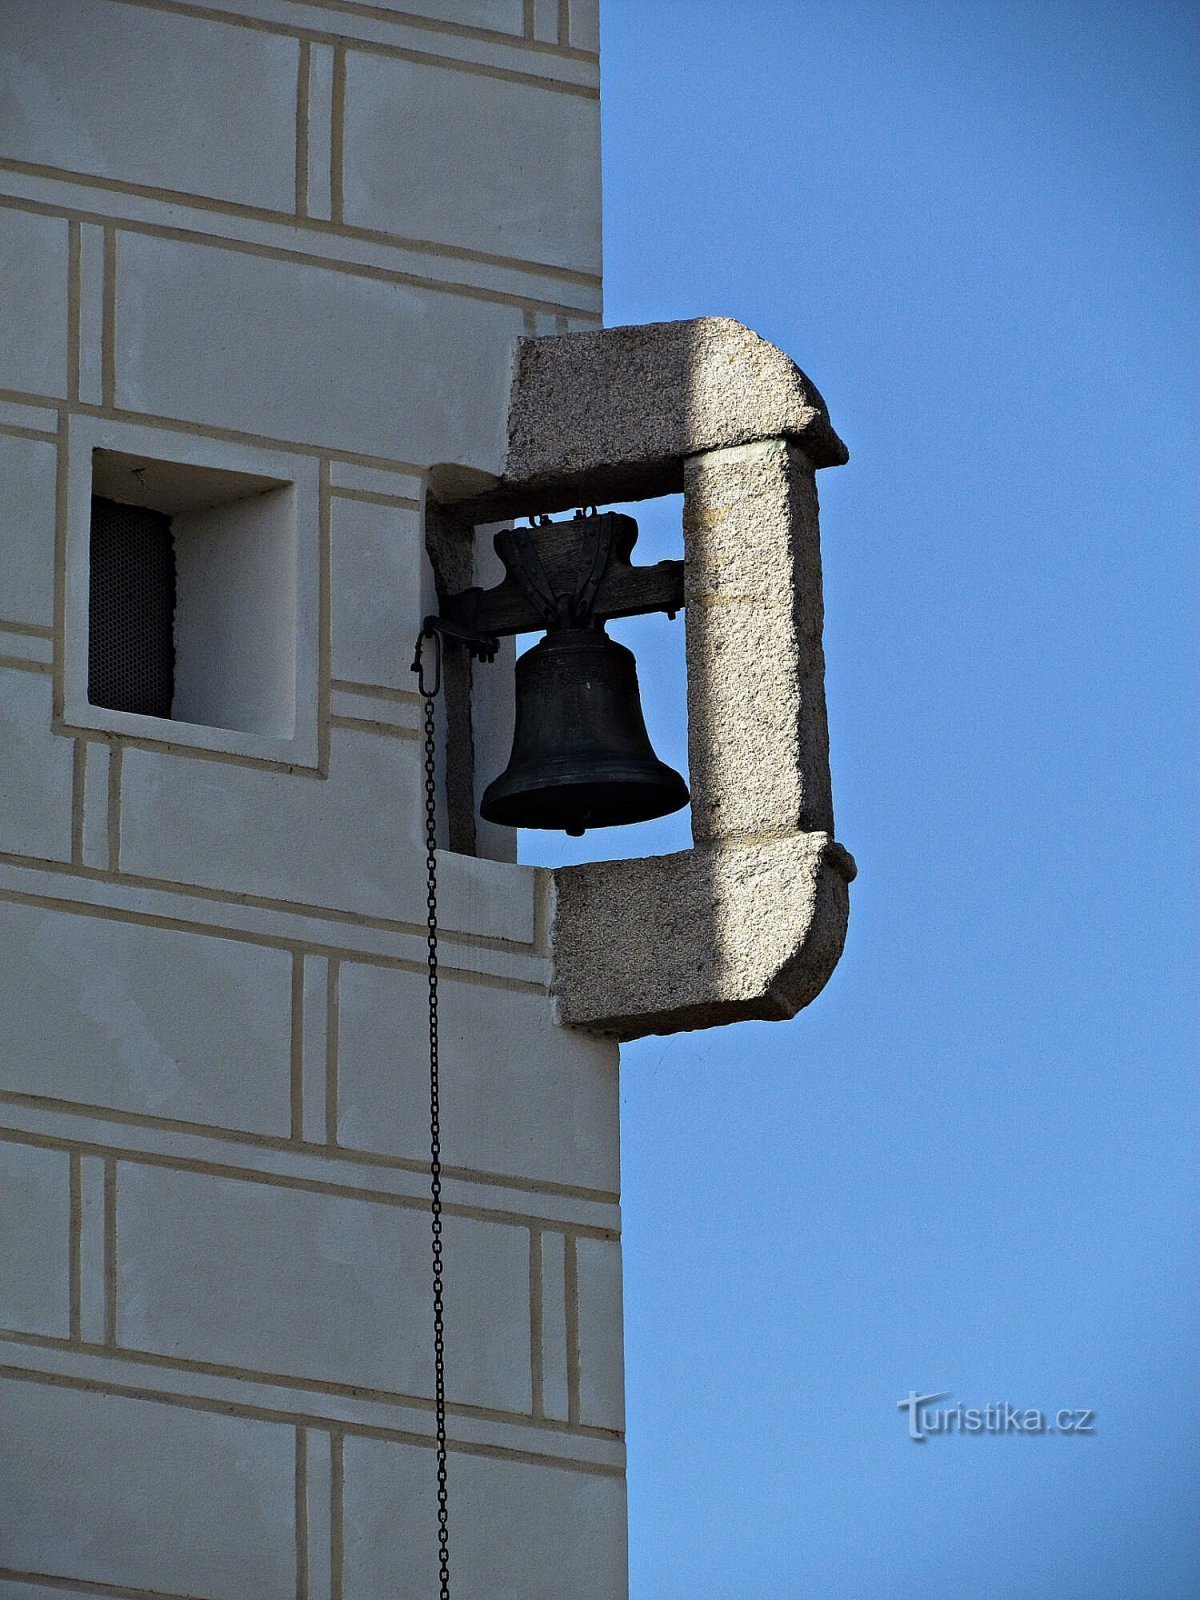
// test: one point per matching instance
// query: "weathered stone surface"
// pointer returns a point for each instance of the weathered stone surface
(758, 739)
(739, 931)
(611, 414)
(751, 922)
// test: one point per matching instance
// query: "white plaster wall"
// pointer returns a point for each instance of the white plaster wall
(294, 239)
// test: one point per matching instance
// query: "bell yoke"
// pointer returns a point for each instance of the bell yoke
(581, 757)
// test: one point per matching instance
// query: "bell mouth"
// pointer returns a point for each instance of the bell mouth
(616, 794)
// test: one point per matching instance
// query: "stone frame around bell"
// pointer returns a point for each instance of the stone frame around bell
(751, 921)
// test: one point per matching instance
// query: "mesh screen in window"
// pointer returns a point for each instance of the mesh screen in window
(131, 610)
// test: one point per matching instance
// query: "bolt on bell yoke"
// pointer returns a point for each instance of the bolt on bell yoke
(581, 757)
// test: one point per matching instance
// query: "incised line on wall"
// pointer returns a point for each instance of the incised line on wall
(20, 664)
(300, 1512)
(506, 1216)
(43, 436)
(466, 30)
(332, 1043)
(307, 1419)
(511, 42)
(264, 937)
(306, 1151)
(297, 1046)
(74, 308)
(302, 113)
(319, 227)
(312, 1389)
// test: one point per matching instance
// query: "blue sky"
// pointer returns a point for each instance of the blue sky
(970, 1165)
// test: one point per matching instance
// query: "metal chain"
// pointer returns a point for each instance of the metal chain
(429, 693)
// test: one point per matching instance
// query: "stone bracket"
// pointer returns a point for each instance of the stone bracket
(751, 921)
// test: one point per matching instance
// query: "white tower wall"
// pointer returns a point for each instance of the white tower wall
(261, 266)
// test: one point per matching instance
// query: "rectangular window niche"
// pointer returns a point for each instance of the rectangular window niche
(192, 594)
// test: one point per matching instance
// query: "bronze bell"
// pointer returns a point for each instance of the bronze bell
(581, 756)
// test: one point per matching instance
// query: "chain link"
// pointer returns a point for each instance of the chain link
(428, 695)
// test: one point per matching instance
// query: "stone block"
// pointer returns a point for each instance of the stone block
(320, 130)
(739, 931)
(556, 1394)
(93, 1249)
(95, 844)
(545, 21)
(35, 770)
(500, 16)
(376, 598)
(314, 1057)
(17, 646)
(613, 413)
(27, 483)
(512, 169)
(33, 302)
(92, 271)
(520, 1531)
(39, 1591)
(209, 335)
(349, 842)
(319, 1286)
(15, 414)
(145, 1019)
(110, 1490)
(320, 1484)
(585, 25)
(375, 480)
(601, 1333)
(756, 669)
(519, 1096)
(35, 1217)
(147, 97)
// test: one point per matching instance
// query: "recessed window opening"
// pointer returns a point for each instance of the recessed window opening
(192, 594)
(658, 646)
